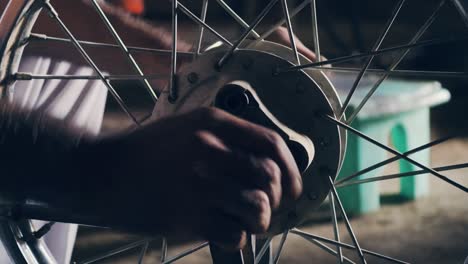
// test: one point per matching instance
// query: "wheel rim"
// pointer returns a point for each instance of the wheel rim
(27, 12)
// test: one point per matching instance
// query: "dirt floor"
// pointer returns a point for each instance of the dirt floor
(429, 230)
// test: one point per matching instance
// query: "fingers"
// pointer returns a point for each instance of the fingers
(255, 139)
(225, 232)
(246, 171)
(251, 208)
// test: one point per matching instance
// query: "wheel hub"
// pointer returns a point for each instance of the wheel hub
(291, 103)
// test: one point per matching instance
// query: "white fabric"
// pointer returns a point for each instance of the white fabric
(79, 101)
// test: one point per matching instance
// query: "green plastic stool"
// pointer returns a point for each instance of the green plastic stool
(400, 112)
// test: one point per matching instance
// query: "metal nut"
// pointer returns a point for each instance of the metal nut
(192, 77)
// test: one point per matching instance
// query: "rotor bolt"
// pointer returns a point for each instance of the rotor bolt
(192, 77)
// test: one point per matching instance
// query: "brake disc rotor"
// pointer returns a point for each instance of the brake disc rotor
(298, 100)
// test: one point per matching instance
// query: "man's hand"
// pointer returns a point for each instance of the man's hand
(205, 174)
(281, 36)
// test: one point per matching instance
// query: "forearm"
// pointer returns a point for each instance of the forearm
(39, 156)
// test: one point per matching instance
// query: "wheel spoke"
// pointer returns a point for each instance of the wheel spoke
(401, 175)
(292, 39)
(143, 253)
(370, 59)
(397, 153)
(186, 253)
(172, 86)
(124, 48)
(247, 32)
(204, 11)
(280, 247)
(424, 43)
(117, 251)
(463, 14)
(310, 237)
(315, 31)
(347, 223)
(402, 73)
(390, 160)
(197, 20)
(53, 13)
(163, 249)
(236, 17)
(43, 37)
(262, 251)
(336, 230)
(43, 230)
(397, 62)
(328, 249)
(22, 76)
(293, 13)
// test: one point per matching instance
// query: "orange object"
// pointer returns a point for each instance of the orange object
(136, 7)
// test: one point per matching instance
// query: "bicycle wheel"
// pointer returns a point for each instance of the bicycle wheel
(264, 82)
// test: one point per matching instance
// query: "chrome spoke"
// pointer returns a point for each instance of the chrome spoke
(143, 251)
(292, 39)
(402, 175)
(397, 153)
(424, 43)
(43, 230)
(280, 247)
(310, 237)
(315, 31)
(43, 37)
(197, 20)
(463, 14)
(336, 230)
(54, 15)
(370, 59)
(163, 250)
(262, 251)
(186, 253)
(172, 85)
(204, 11)
(347, 223)
(328, 249)
(116, 251)
(236, 17)
(22, 76)
(402, 73)
(247, 32)
(390, 160)
(293, 13)
(397, 62)
(124, 48)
